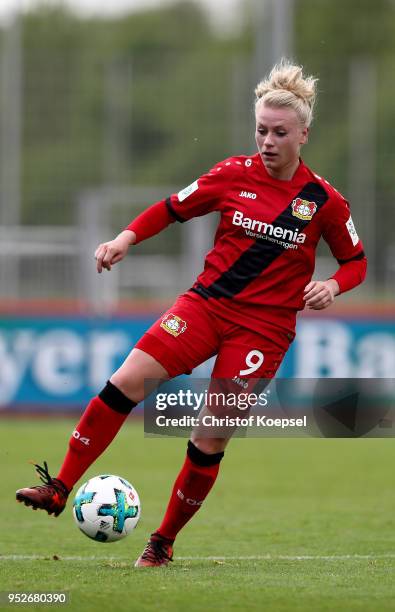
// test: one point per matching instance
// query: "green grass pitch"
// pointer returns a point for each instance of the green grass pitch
(292, 524)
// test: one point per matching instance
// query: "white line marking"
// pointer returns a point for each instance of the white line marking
(210, 558)
(292, 557)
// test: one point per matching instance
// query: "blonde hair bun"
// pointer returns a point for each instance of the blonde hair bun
(287, 86)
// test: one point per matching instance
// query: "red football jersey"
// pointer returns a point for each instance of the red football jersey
(264, 248)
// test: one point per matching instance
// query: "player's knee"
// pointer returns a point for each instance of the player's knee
(131, 387)
(139, 375)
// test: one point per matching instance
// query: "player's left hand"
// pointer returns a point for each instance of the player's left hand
(320, 294)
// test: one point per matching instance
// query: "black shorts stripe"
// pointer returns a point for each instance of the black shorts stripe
(360, 255)
(173, 212)
(262, 252)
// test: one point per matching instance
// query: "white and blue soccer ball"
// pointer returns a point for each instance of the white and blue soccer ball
(106, 508)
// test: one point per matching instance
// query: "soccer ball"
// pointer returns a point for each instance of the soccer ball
(106, 508)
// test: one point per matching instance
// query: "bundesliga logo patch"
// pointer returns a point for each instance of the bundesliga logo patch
(185, 193)
(173, 324)
(303, 209)
(352, 231)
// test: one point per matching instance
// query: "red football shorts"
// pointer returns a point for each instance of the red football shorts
(188, 334)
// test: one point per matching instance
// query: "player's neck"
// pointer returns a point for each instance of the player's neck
(286, 173)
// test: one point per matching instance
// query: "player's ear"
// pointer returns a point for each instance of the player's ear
(304, 135)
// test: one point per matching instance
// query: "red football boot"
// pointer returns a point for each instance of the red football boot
(158, 552)
(51, 496)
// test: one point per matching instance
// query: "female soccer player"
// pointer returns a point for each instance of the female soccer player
(242, 308)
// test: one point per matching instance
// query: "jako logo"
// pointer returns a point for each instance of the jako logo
(267, 228)
(247, 194)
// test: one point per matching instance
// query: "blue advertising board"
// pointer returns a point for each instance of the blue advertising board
(58, 363)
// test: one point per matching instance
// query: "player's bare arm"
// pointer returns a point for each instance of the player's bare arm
(109, 253)
(320, 294)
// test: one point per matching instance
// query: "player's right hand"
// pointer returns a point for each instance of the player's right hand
(109, 253)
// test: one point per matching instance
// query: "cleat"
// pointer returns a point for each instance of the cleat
(158, 552)
(51, 496)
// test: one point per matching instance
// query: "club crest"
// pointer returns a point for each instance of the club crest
(303, 209)
(173, 324)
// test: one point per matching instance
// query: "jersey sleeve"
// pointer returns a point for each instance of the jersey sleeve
(340, 234)
(204, 195)
(200, 198)
(151, 221)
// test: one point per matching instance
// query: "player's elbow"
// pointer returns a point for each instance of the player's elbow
(363, 269)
